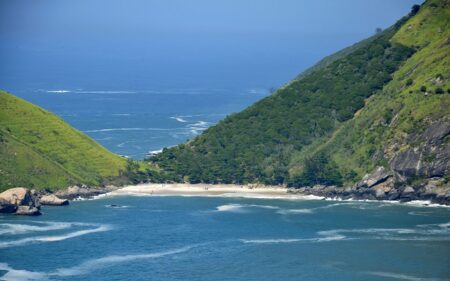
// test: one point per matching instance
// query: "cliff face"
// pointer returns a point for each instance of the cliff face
(430, 158)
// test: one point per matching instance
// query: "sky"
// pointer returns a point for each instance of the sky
(141, 44)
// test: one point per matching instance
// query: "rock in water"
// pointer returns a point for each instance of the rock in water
(53, 200)
(19, 200)
(6, 207)
(17, 196)
(28, 211)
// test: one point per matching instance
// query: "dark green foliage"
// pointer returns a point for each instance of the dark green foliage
(409, 82)
(318, 169)
(423, 89)
(439, 91)
(257, 144)
(414, 9)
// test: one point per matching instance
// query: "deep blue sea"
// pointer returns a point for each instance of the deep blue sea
(213, 238)
(135, 123)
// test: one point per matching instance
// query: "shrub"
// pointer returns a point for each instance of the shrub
(414, 10)
(409, 82)
(439, 91)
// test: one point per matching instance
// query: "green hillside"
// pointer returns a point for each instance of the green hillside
(337, 120)
(415, 99)
(38, 149)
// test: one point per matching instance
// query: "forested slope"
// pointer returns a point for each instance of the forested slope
(353, 111)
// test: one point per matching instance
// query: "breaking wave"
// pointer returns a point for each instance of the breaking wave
(15, 228)
(239, 208)
(85, 267)
(54, 238)
(425, 232)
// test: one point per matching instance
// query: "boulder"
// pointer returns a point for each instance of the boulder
(18, 196)
(19, 200)
(53, 200)
(6, 207)
(27, 211)
(379, 175)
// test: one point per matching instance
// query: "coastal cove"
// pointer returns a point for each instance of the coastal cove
(199, 234)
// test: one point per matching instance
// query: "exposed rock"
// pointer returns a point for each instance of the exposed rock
(429, 158)
(18, 196)
(28, 211)
(6, 207)
(19, 200)
(53, 200)
(384, 189)
(379, 175)
(435, 190)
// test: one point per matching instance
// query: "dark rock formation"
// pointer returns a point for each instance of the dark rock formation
(430, 157)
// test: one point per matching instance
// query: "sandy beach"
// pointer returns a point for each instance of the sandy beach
(220, 190)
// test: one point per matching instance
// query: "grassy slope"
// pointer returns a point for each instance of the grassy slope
(401, 108)
(38, 149)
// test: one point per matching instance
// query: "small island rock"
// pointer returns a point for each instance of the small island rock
(53, 200)
(19, 200)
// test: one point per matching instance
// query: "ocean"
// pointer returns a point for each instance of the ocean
(226, 238)
(136, 123)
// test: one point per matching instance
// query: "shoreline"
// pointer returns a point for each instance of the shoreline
(222, 190)
(248, 191)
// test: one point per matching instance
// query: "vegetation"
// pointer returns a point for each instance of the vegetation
(272, 141)
(40, 150)
(334, 123)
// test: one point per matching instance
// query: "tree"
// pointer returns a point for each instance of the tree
(414, 10)
(439, 91)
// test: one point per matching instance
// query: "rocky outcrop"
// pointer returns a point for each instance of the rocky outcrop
(53, 200)
(428, 155)
(19, 200)
(379, 175)
(28, 211)
(74, 192)
(435, 190)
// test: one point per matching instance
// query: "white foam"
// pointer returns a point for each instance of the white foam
(295, 211)
(20, 275)
(58, 91)
(269, 241)
(230, 208)
(41, 239)
(85, 267)
(241, 207)
(294, 240)
(423, 203)
(198, 127)
(400, 276)
(94, 264)
(155, 152)
(12, 228)
(179, 119)
(426, 232)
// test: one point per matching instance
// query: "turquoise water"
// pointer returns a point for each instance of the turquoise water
(212, 238)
